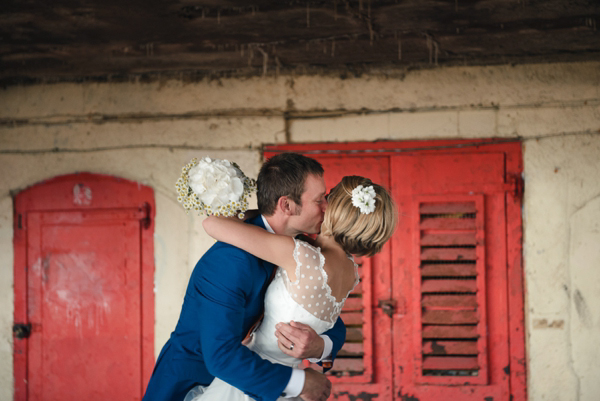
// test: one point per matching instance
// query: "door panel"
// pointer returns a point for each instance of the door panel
(84, 305)
(455, 341)
(83, 281)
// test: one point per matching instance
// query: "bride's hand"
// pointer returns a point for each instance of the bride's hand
(306, 342)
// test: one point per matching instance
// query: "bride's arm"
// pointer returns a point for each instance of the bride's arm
(274, 248)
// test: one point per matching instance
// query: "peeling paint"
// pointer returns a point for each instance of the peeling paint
(406, 397)
(545, 324)
(360, 396)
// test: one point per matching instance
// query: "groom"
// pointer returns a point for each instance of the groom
(225, 297)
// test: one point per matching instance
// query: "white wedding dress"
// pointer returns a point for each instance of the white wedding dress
(307, 300)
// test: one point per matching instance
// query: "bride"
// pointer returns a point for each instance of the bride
(315, 276)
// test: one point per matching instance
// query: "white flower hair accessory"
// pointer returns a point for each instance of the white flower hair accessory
(214, 187)
(364, 198)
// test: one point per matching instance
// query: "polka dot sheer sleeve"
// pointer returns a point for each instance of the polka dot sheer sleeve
(311, 290)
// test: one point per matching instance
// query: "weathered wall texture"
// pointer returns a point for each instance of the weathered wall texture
(146, 132)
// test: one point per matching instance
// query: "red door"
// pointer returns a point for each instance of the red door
(83, 287)
(452, 342)
(439, 313)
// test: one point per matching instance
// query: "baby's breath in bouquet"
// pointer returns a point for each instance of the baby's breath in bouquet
(214, 187)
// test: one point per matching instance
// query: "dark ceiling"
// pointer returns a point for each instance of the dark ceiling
(76, 40)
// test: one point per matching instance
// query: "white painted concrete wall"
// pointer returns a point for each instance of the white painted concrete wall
(146, 132)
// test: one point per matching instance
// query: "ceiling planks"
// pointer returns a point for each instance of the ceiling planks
(97, 40)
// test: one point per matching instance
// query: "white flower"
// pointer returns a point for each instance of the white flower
(214, 186)
(364, 198)
(216, 182)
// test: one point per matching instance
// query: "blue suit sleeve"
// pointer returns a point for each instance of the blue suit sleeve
(337, 334)
(224, 286)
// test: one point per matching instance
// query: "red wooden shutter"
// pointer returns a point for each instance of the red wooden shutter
(449, 295)
(453, 318)
(451, 248)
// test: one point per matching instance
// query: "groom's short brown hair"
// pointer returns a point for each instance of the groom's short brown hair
(284, 175)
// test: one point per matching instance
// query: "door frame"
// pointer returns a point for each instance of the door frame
(514, 231)
(80, 192)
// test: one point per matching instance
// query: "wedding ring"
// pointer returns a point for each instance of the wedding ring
(291, 346)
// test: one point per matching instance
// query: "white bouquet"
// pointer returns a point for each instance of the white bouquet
(214, 187)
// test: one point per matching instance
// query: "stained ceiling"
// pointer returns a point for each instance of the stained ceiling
(75, 40)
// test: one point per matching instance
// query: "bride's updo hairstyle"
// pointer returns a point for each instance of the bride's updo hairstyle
(358, 233)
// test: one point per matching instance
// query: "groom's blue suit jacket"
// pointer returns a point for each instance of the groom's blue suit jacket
(223, 299)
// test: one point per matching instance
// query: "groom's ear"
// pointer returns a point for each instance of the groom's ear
(286, 205)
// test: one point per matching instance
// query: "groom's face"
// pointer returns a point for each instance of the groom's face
(309, 217)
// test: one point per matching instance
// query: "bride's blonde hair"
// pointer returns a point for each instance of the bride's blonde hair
(358, 233)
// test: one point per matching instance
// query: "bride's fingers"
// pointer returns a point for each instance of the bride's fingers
(286, 348)
(290, 333)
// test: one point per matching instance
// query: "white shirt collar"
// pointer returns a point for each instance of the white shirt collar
(267, 226)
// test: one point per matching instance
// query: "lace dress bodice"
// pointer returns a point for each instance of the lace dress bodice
(307, 300)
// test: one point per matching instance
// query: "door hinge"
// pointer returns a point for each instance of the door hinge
(517, 185)
(22, 330)
(145, 215)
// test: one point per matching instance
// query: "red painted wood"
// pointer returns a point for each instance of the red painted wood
(458, 174)
(442, 223)
(448, 239)
(353, 305)
(430, 286)
(449, 301)
(449, 348)
(448, 270)
(344, 365)
(423, 176)
(450, 363)
(466, 332)
(349, 349)
(457, 208)
(448, 254)
(449, 317)
(353, 318)
(88, 267)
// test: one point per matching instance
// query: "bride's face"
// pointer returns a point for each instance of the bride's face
(309, 217)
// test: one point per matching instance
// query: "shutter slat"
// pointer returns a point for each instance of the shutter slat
(448, 270)
(353, 304)
(449, 301)
(448, 254)
(352, 349)
(352, 318)
(450, 317)
(354, 334)
(450, 363)
(450, 285)
(348, 365)
(437, 223)
(432, 332)
(450, 348)
(447, 208)
(447, 239)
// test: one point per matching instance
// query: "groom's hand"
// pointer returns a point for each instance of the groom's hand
(306, 342)
(317, 386)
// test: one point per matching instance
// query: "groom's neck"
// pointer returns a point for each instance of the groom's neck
(280, 226)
